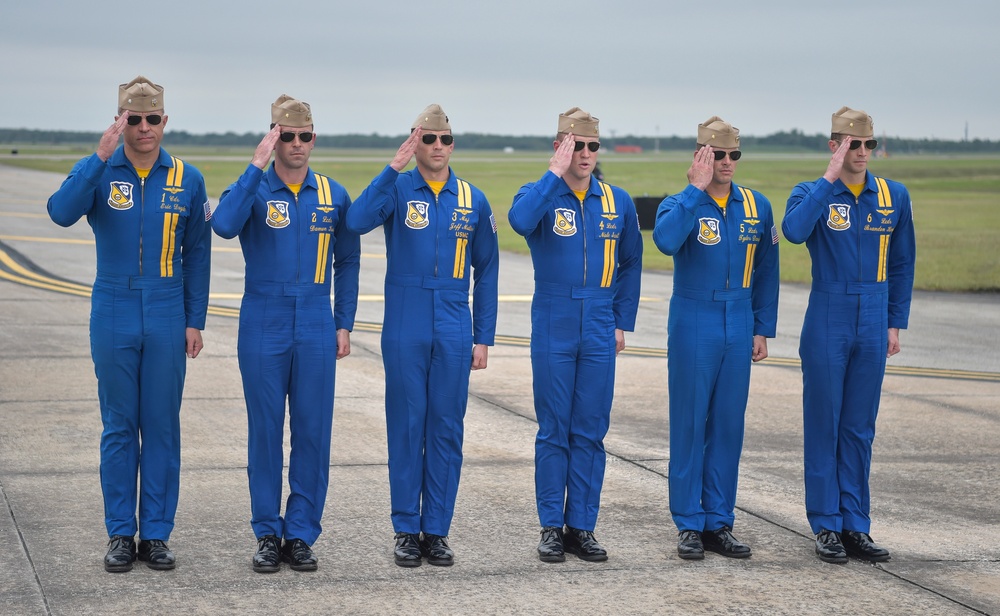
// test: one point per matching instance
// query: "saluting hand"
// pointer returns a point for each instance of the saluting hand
(405, 151)
(109, 140)
(837, 161)
(262, 155)
(702, 168)
(563, 157)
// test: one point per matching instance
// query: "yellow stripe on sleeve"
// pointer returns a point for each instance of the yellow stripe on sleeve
(748, 265)
(175, 175)
(323, 188)
(884, 198)
(322, 250)
(460, 249)
(464, 195)
(609, 262)
(749, 203)
(167, 244)
(883, 257)
(607, 199)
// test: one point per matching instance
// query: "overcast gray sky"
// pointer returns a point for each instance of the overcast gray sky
(921, 68)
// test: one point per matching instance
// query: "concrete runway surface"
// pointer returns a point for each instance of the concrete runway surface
(935, 475)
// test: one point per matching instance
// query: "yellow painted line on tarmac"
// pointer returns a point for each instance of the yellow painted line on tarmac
(66, 240)
(24, 215)
(55, 286)
(11, 271)
(48, 240)
(939, 373)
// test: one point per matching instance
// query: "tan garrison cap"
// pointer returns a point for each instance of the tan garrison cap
(140, 95)
(578, 122)
(432, 118)
(718, 133)
(291, 112)
(853, 122)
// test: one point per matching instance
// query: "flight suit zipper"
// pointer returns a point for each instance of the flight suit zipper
(437, 232)
(583, 223)
(729, 251)
(298, 252)
(857, 209)
(142, 217)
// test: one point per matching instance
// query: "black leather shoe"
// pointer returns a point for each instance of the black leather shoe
(156, 554)
(689, 545)
(550, 548)
(860, 545)
(267, 558)
(298, 555)
(583, 544)
(121, 554)
(407, 551)
(436, 550)
(829, 548)
(722, 541)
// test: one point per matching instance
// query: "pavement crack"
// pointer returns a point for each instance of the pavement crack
(24, 548)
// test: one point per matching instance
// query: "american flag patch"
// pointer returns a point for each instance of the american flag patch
(774, 234)
(493, 223)
(208, 211)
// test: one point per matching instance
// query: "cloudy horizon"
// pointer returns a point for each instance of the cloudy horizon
(644, 68)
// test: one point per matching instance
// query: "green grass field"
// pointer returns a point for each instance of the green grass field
(955, 200)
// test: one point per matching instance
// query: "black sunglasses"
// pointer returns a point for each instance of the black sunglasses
(870, 144)
(303, 137)
(593, 146)
(734, 155)
(152, 119)
(429, 138)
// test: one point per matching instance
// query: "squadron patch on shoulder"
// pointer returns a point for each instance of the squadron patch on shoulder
(277, 214)
(565, 224)
(708, 231)
(840, 217)
(416, 214)
(120, 197)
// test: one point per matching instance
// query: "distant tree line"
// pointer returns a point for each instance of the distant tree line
(784, 141)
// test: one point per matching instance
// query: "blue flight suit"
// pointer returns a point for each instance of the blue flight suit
(428, 331)
(587, 258)
(863, 253)
(287, 343)
(725, 292)
(153, 266)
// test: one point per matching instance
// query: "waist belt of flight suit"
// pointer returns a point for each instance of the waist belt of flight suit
(140, 282)
(713, 295)
(286, 289)
(566, 290)
(427, 282)
(851, 288)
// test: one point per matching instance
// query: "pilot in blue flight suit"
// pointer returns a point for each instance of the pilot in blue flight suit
(723, 308)
(587, 255)
(149, 212)
(859, 231)
(292, 229)
(436, 227)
